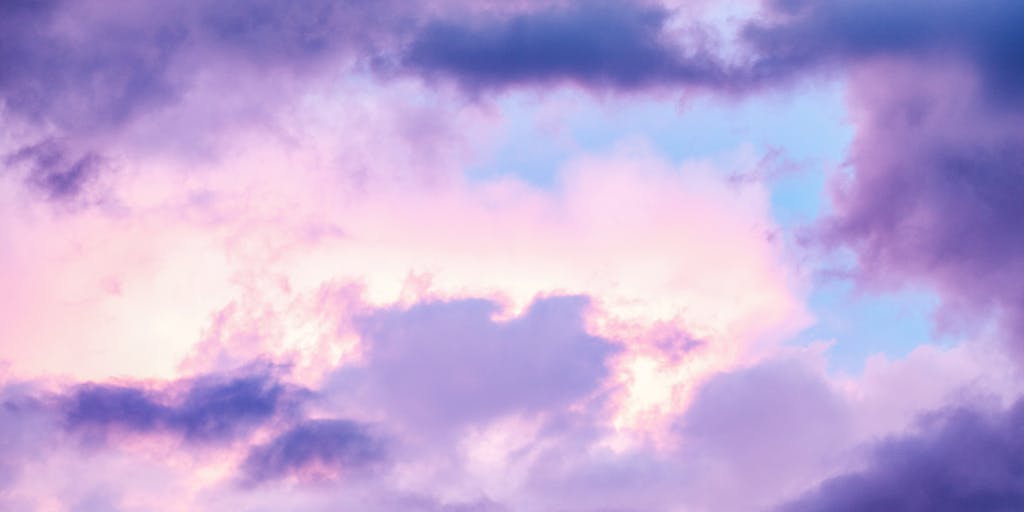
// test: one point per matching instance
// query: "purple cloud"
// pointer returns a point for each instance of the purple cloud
(25, 430)
(935, 196)
(120, 63)
(627, 45)
(212, 408)
(443, 364)
(750, 437)
(105, 406)
(331, 448)
(55, 171)
(935, 190)
(295, 34)
(85, 72)
(963, 459)
(613, 45)
(91, 81)
(770, 426)
(418, 503)
(808, 34)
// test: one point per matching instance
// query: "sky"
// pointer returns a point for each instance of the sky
(529, 255)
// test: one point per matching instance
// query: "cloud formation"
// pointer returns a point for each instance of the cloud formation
(315, 450)
(608, 45)
(119, 64)
(51, 169)
(961, 459)
(443, 364)
(294, 182)
(811, 34)
(204, 409)
(934, 188)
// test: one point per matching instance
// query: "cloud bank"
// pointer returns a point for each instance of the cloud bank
(188, 188)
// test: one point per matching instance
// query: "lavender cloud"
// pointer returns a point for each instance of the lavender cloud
(26, 432)
(934, 196)
(935, 193)
(117, 64)
(442, 364)
(330, 448)
(961, 459)
(212, 408)
(87, 73)
(56, 171)
(936, 183)
(752, 423)
(429, 504)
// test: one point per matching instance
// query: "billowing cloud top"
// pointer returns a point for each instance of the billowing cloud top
(526, 255)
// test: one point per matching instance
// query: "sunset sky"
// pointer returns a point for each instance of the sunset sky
(511, 255)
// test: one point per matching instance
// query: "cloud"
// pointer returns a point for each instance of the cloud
(772, 427)
(104, 79)
(117, 70)
(757, 436)
(446, 363)
(104, 406)
(26, 431)
(620, 247)
(935, 179)
(295, 34)
(809, 34)
(428, 504)
(960, 459)
(626, 46)
(211, 408)
(613, 45)
(934, 196)
(55, 171)
(89, 67)
(316, 450)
